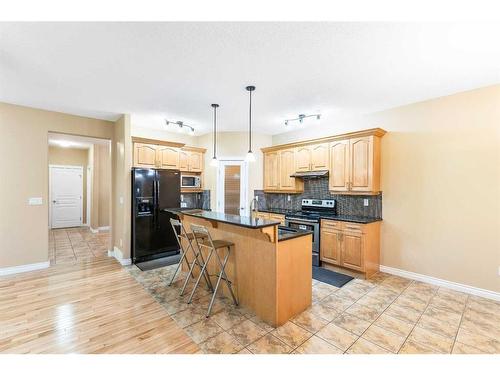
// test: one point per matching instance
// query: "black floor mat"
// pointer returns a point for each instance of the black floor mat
(157, 263)
(330, 277)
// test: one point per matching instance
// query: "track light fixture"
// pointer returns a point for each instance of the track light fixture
(300, 118)
(181, 126)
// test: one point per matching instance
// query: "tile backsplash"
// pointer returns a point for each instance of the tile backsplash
(318, 189)
(197, 200)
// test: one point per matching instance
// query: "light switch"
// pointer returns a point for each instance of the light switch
(289, 198)
(182, 198)
(36, 201)
(366, 202)
(257, 198)
(121, 200)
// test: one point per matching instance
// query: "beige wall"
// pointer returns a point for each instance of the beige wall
(72, 156)
(23, 148)
(441, 185)
(234, 145)
(122, 163)
(101, 186)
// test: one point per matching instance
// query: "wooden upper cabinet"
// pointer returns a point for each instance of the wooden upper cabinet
(362, 166)
(144, 155)
(319, 157)
(271, 171)
(303, 159)
(195, 161)
(339, 166)
(355, 165)
(184, 161)
(286, 168)
(168, 157)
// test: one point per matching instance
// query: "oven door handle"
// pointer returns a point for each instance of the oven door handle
(299, 221)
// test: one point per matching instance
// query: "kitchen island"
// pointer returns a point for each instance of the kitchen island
(270, 268)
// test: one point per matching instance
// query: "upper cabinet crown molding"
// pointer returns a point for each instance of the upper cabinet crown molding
(157, 142)
(377, 132)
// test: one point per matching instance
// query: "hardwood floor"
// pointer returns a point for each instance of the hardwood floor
(93, 306)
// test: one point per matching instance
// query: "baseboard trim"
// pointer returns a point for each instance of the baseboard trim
(93, 230)
(103, 229)
(440, 282)
(117, 253)
(23, 268)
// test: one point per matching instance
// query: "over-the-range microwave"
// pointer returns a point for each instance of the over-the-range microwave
(190, 181)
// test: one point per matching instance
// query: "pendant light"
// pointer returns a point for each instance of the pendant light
(250, 155)
(214, 162)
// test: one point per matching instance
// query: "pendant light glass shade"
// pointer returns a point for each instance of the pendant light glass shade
(214, 162)
(250, 156)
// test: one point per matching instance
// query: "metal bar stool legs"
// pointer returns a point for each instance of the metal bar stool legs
(213, 247)
(181, 233)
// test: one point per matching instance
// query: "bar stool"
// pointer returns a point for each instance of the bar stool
(213, 246)
(180, 234)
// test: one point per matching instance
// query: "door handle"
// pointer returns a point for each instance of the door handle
(54, 201)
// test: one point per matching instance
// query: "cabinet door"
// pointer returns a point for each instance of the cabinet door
(195, 161)
(168, 157)
(271, 171)
(144, 155)
(330, 246)
(339, 166)
(319, 157)
(352, 251)
(303, 159)
(286, 168)
(361, 163)
(184, 160)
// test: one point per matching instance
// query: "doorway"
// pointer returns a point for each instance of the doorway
(79, 198)
(232, 187)
(66, 196)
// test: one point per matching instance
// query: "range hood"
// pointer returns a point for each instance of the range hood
(312, 174)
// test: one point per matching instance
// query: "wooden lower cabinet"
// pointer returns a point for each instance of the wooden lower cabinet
(261, 215)
(330, 245)
(278, 217)
(352, 251)
(349, 245)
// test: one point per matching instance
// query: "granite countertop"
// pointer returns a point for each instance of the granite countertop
(348, 218)
(285, 233)
(242, 221)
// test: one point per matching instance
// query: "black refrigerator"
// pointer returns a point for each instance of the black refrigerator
(153, 191)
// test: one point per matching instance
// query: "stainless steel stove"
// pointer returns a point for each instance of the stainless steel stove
(308, 218)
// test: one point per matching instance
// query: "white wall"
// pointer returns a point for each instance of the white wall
(163, 135)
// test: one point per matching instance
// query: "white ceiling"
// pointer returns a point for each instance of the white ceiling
(176, 70)
(74, 141)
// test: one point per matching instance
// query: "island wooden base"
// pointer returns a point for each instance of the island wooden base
(272, 279)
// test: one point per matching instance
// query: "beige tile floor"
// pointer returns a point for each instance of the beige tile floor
(383, 315)
(70, 245)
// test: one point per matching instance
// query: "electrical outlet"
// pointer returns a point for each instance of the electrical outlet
(121, 200)
(121, 243)
(182, 197)
(257, 198)
(37, 201)
(288, 198)
(366, 202)
(183, 204)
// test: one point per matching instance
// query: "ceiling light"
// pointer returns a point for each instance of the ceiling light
(181, 127)
(300, 118)
(250, 156)
(214, 162)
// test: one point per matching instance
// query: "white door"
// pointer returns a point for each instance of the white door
(232, 187)
(66, 191)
